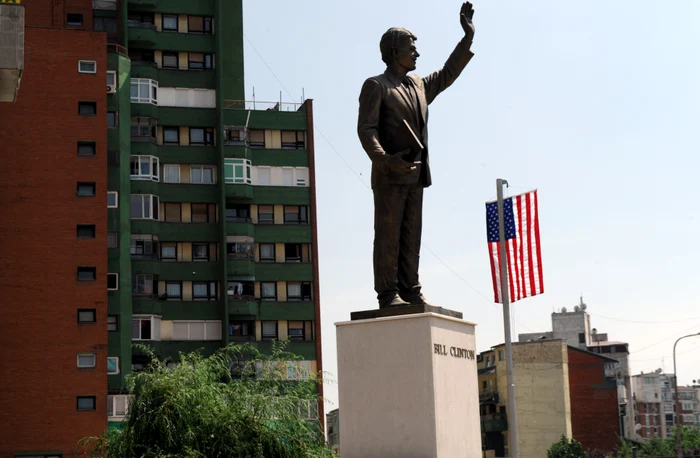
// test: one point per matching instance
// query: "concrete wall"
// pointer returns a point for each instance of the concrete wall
(569, 325)
(541, 395)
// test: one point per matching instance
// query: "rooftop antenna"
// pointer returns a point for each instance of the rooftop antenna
(253, 97)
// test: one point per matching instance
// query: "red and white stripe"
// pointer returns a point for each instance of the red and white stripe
(523, 252)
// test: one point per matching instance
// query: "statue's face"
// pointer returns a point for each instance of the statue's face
(406, 53)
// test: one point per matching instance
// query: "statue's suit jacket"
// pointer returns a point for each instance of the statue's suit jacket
(385, 103)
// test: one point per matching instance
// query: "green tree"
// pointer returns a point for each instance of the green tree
(656, 447)
(566, 448)
(235, 403)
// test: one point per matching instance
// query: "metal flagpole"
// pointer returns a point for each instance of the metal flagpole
(505, 299)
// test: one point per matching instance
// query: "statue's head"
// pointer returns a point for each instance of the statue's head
(398, 46)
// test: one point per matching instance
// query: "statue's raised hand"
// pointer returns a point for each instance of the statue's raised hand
(465, 18)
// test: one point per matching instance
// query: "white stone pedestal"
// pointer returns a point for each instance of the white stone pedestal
(408, 388)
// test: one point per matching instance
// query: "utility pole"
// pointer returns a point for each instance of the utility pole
(505, 296)
(679, 425)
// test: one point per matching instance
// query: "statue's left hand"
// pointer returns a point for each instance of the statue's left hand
(465, 18)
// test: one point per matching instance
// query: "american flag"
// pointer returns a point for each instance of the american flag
(522, 231)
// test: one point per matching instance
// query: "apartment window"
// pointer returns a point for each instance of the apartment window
(105, 24)
(171, 135)
(118, 405)
(237, 171)
(581, 337)
(85, 231)
(293, 139)
(237, 213)
(112, 240)
(204, 291)
(199, 24)
(144, 90)
(296, 330)
(87, 273)
(113, 323)
(86, 360)
(87, 315)
(501, 355)
(235, 135)
(86, 402)
(168, 251)
(241, 330)
(256, 138)
(86, 189)
(112, 365)
(202, 174)
(142, 285)
(238, 290)
(268, 291)
(87, 108)
(74, 19)
(145, 328)
(200, 61)
(240, 250)
(612, 349)
(196, 330)
(144, 206)
(140, 19)
(200, 136)
(144, 168)
(87, 148)
(113, 158)
(169, 23)
(293, 252)
(87, 66)
(200, 252)
(144, 246)
(266, 214)
(170, 60)
(296, 214)
(203, 213)
(142, 57)
(298, 291)
(269, 330)
(143, 128)
(173, 290)
(112, 119)
(267, 252)
(111, 81)
(112, 282)
(264, 176)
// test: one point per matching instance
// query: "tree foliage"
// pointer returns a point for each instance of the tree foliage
(566, 448)
(235, 403)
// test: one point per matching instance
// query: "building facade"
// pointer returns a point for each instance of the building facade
(542, 397)
(333, 430)
(158, 207)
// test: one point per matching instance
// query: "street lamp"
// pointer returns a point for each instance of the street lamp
(679, 442)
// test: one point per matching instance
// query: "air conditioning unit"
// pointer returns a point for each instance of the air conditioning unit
(111, 88)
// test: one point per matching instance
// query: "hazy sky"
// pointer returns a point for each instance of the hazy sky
(594, 103)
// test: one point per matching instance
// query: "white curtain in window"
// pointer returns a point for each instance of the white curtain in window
(171, 173)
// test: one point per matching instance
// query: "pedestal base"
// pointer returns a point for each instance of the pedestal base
(408, 387)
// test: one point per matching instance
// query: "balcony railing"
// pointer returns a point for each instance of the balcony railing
(488, 396)
(241, 297)
(118, 49)
(262, 106)
(142, 25)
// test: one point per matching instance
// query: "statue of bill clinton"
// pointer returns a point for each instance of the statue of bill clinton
(393, 129)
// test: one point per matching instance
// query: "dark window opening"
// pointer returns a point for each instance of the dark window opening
(200, 61)
(74, 19)
(171, 135)
(201, 136)
(86, 402)
(266, 214)
(87, 273)
(241, 330)
(296, 214)
(87, 148)
(113, 323)
(86, 231)
(111, 119)
(237, 213)
(204, 291)
(298, 291)
(86, 189)
(113, 158)
(87, 108)
(112, 281)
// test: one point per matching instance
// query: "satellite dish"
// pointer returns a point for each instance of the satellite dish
(584, 306)
(637, 427)
(577, 309)
(563, 310)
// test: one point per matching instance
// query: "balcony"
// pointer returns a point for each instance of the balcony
(488, 396)
(142, 34)
(241, 268)
(494, 423)
(269, 115)
(287, 233)
(239, 192)
(11, 51)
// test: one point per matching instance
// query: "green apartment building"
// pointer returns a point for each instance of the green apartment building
(211, 202)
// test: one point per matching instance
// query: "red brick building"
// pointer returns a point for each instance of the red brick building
(595, 418)
(53, 236)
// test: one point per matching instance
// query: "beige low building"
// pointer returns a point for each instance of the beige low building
(542, 397)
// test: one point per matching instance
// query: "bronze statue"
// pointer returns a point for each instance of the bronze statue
(393, 128)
